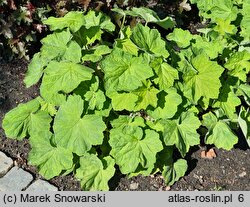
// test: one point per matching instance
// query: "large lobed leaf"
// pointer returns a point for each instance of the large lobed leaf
(62, 77)
(26, 119)
(131, 148)
(166, 74)
(151, 16)
(55, 45)
(94, 173)
(202, 78)
(181, 37)
(219, 132)
(149, 40)
(35, 70)
(138, 99)
(174, 171)
(124, 72)
(51, 160)
(72, 20)
(181, 132)
(167, 106)
(75, 130)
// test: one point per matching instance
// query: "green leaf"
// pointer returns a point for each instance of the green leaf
(127, 45)
(94, 173)
(132, 148)
(244, 122)
(203, 45)
(72, 20)
(119, 104)
(26, 119)
(149, 40)
(51, 160)
(244, 24)
(168, 105)
(202, 79)
(239, 65)
(62, 77)
(123, 72)
(244, 89)
(35, 70)
(91, 35)
(48, 107)
(119, 11)
(228, 102)
(73, 53)
(209, 120)
(224, 26)
(219, 132)
(77, 131)
(90, 91)
(181, 37)
(138, 99)
(181, 132)
(166, 75)
(96, 54)
(223, 9)
(203, 5)
(174, 171)
(95, 97)
(93, 28)
(147, 95)
(150, 16)
(93, 19)
(55, 45)
(127, 123)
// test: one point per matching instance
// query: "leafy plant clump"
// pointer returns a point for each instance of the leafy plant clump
(138, 103)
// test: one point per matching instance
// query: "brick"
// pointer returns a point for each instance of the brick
(5, 164)
(41, 185)
(15, 180)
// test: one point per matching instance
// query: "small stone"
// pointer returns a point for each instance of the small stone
(133, 186)
(41, 185)
(5, 164)
(167, 188)
(243, 174)
(15, 180)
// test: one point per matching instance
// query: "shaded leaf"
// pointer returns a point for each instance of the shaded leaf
(174, 171)
(150, 16)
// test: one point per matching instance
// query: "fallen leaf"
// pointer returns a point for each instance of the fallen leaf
(12, 4)
(203, 154)
(210, 154)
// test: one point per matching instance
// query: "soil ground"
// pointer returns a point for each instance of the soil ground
(230, 170)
